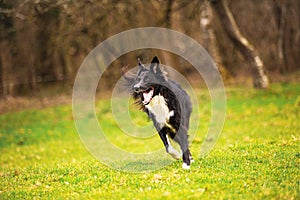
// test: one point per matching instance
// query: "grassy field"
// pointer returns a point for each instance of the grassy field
(256, 157)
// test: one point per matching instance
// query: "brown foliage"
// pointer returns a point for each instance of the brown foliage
(45, 41)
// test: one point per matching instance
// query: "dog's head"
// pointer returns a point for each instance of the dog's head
(147, 81)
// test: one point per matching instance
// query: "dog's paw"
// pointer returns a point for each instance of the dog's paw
(185, 166)
(174, 153)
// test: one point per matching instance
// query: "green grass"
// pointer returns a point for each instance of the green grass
(256, 157)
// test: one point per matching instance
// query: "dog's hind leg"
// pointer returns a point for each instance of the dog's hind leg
(191, 157)
(186, 160)
(182, 139)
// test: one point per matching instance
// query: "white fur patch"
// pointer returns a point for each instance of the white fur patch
(158, 107)
(171, 114)
(185, 166)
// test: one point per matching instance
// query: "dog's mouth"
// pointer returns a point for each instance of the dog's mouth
(147, 95)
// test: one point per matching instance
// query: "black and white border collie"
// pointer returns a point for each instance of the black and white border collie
(166, 104)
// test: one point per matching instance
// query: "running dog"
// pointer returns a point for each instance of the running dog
(166, 104)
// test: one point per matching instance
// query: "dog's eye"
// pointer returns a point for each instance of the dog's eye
(146, 78)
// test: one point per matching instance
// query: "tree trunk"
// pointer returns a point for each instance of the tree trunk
(209, 37)
(280, 12)
(26, 57)
(260, 80)
(169, 13)
(8, 79)
(167, 57)
(1, 78)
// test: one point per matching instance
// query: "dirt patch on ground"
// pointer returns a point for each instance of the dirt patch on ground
(15, 104)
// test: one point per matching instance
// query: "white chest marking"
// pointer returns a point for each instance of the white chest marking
(158, 107)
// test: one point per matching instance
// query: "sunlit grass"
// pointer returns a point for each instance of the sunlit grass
(256, 157)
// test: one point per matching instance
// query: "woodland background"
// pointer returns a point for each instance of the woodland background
(43, 42)
(43, 151)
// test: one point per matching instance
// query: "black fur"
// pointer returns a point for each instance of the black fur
(177, 100)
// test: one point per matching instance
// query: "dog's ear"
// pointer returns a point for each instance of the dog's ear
(141, 66)
(154, 66)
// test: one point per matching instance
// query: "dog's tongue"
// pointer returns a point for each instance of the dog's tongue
(147, 96)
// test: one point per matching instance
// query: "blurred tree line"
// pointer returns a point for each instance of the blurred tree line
(43, 42)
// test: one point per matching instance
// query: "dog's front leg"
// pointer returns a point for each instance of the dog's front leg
(169, 148)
